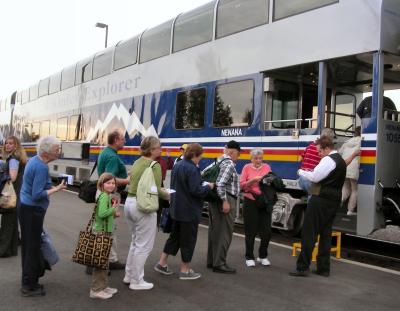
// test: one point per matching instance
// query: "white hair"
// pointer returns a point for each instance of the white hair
(327, 132)
(46, 143)
(255, 152)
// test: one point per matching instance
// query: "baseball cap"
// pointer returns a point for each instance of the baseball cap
(184, 146)
(233, 144)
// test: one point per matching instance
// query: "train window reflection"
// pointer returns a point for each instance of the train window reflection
(190, 108)
(237, 15)
(285, 104)
(125, 53)
(155, 42)
(62, 128)
(194, 28)
(55, 83)
(74, 127)
(44, 128)
(25, 96)
(102, 63)
(68, 77)
(34, 92)
(44, 87)
(233, 104)
(83, 71)
(34, 132)
(286, 8)
(343, 116)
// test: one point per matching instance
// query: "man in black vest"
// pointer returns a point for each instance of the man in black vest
(328, 178)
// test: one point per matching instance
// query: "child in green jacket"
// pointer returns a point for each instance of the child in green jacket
(106, 211)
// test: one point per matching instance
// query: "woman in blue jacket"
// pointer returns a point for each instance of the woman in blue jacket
(186, 208)
(35, 192)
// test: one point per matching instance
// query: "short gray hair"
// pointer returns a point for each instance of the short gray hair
(327, 132)
(46, 143)
(255, 152)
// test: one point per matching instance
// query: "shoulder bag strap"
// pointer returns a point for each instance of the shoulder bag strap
(93, 218)
(94, 167)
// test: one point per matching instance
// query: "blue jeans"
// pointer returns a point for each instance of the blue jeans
(304, 184)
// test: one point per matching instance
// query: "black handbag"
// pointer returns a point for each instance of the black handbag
(166, 221)
(88, 188)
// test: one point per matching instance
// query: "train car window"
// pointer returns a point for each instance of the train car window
(19, 98)
(194, 28)
(44, 87)
(83, 71)
(125, 53)
(155, 42)
(286, 8)
(190, 109)
(344, 114)
(233, 104)
(238, 15)
(74, 127)
(44, 128)
(25, 96)
(68, 77)
(62, 128)
(55, 83)
(35, 132)
(102, 63)
(285, 104)
(33, 92)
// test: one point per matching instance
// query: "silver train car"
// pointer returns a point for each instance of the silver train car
(267, 73)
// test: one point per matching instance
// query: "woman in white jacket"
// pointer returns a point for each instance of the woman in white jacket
(350, 147)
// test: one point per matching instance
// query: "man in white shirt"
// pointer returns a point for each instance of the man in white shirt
(328, 179)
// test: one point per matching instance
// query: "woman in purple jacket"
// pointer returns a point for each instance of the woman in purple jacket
(186, 208)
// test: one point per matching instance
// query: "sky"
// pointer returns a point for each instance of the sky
(38, 38)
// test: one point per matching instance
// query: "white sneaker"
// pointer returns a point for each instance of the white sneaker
(111, 290)
(126, 280)
(141, 286)
(350, 213)
(250, 263)
(100, 295)
(264, 261)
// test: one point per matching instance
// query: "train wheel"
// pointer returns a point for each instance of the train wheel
(295, 222)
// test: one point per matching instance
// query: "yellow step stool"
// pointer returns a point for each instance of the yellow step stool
(335, 249)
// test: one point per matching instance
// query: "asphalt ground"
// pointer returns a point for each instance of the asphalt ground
(350, 286)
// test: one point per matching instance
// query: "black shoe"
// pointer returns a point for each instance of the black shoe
(321, 273)
(36, 292)
(301, 273)
(224, 269)
(89, 270)
(116, 266)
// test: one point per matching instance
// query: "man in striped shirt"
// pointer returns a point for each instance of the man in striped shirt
(222, 215)
(311, 158)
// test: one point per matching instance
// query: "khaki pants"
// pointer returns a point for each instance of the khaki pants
(220, 232)
(99, 280)
(143, 227)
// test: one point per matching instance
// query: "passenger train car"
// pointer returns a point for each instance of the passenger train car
(267, 73)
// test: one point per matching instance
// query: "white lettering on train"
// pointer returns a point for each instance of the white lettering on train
(231, 132)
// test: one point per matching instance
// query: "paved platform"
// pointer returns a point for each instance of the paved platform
(350, 287)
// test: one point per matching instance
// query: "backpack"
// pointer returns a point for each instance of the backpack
(146, 193)
(210, 174)
(88, 188)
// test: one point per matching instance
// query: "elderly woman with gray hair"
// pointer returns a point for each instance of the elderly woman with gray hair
(34, 196)
(256, 214)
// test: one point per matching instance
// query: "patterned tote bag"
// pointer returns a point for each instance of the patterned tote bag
(93, 248)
